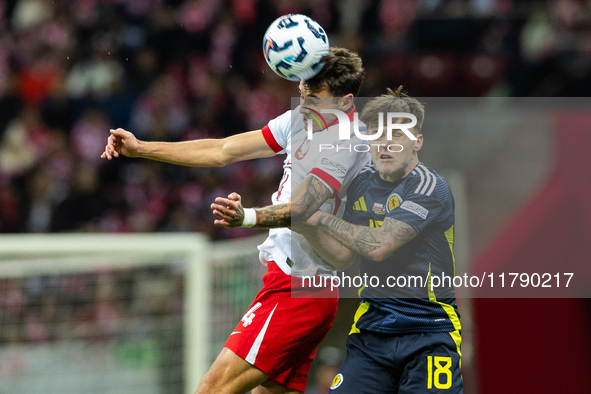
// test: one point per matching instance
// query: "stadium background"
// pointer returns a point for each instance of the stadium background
(178, 70)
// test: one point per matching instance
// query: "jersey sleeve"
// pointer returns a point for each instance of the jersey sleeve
(277, 132)
(421, 206)
(350, 200)
(336, 166)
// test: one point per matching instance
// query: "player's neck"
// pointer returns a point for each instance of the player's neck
(401, 173)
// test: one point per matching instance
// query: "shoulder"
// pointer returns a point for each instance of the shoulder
(365, 175)
(426, 182)
(286, 121)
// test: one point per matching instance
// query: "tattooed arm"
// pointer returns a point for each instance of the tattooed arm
(329, 249)
(305, 200)
(374, 243)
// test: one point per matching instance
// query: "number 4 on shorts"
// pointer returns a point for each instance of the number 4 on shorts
(248, 316)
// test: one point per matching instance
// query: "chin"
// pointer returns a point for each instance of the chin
(386, 168)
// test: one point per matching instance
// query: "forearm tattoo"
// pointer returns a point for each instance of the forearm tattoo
(364, 240)
(301, 208)
(356, 238)
(315, 194)
(273, 216)
(399, 231)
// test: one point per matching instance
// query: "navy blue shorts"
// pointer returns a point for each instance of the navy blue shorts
(403, 364)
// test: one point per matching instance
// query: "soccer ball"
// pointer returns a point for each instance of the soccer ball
(295, 47)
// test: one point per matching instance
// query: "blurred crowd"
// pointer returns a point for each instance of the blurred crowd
(120, 305)
(135, 316)
(173, 70)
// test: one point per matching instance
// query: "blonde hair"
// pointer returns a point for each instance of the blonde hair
(393, 101)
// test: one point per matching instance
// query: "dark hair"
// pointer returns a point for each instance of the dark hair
(393, 101)
(343, 73)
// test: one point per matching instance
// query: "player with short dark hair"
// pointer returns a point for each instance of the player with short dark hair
(398, 222)
(274, 344)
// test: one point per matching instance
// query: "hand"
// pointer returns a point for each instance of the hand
(120, 142)
(231, 213)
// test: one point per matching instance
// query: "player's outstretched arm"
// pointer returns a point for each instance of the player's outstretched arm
(374, 243)
(196, 153)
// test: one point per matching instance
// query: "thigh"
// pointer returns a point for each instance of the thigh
(433, 364)
(366, 368)
(279, 335)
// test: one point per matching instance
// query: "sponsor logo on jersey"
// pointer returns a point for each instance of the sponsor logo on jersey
(337, 381)
(341, 168)
(378, 208)
(415, 208)
(393, 202)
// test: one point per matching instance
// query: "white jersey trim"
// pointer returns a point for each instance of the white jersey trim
(429, 175)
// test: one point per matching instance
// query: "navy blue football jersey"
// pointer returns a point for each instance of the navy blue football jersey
(424, 201)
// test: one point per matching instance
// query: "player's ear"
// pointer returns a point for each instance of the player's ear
(418, 143)
(347, 102)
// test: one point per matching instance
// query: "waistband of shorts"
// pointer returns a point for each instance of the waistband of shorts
(274, 268)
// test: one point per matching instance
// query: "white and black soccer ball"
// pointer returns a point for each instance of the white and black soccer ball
(295, 47)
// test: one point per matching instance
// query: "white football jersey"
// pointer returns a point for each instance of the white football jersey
(336, 167)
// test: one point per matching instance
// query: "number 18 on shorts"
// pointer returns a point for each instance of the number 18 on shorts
(400, 364)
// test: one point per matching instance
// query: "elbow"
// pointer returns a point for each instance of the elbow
(300, 214)
(380, 254)
(221, 159)
(345, 263)
(341, 264)
(223, 153)
(219, 162)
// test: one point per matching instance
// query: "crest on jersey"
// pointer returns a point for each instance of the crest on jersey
(337, 381)
(303, 149)
(394, 202)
